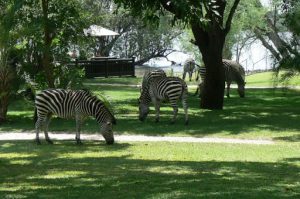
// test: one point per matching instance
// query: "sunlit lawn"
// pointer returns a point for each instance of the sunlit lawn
(162, 169)
(149, 170)
(270, 79)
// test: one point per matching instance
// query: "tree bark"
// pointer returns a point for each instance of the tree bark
(210, 44)
(47, 65)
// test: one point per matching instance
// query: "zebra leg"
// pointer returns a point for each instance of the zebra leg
(78, 129)
(183, 76)
(47, 122)
(197, 90)
(175, 111)
(37, 131)
(185, 105)
(157, 109)
(185, 108)
(190, 74)
(228, 88)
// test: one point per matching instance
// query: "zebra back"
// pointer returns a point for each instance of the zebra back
(234, 72)
(166, 88)
(189, 65)
(152, 74)
(68, 103)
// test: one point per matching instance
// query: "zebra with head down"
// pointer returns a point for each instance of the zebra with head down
(161, 89)
(76, 104)
(234, 72)
(152, 74)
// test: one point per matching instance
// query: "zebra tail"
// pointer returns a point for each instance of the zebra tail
(184, 89)
(114, 121)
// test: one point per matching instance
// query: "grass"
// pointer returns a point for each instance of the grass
(161, 169)
(148, 170)
(269, 79)
(263, 114)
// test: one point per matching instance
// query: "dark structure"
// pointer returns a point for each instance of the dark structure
(107, 66)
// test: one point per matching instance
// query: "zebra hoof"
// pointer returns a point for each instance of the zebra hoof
(156, 120)
(186, 123)
(172, 122)
(49, 141)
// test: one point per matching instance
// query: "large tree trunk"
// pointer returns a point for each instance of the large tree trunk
(211, 46)
(47, 65)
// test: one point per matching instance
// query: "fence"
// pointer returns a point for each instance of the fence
(106, 67)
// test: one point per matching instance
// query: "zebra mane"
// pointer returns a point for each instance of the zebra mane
(101, 97)
(107, 104)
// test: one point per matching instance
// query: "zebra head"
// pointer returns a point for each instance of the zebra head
(241, 89)
(143, 110)
(107, 132)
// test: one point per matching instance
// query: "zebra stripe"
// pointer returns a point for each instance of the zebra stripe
(152, 74)
(76, 104)
(188, 67)
(163, 89)
(234, 72)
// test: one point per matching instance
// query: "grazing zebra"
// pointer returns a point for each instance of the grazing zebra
(70, 104)
(160, 89)
(152, 74)
(188, 67)
(234, 72)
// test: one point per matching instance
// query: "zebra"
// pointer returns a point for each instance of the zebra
(188, 67)
(76, 104)
(152, 74)
(163, 89)
(234, 72)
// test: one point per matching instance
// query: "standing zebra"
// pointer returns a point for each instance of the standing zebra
(234, 72)
(70, 104)
(152, 74)
(188, 67)
(160, 89)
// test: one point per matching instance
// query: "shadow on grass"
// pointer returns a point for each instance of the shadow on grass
(89, 171)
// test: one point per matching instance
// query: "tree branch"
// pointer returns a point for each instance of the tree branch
(230, 16)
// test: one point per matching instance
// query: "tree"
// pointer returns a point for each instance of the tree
(135, 39)
(209, 27)
(145, 42)
(47, 30)
(8, 75)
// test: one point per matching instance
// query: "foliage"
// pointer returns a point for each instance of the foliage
(68, 76)
(188, 47)
(291, 9)
(147, 41)
(45, 31)
(135, 39)
(241, 33)
(8, 72)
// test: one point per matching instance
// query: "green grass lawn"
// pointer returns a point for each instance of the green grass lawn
(269, 79)
(264, 113)
(149, 170)
(161, 169)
